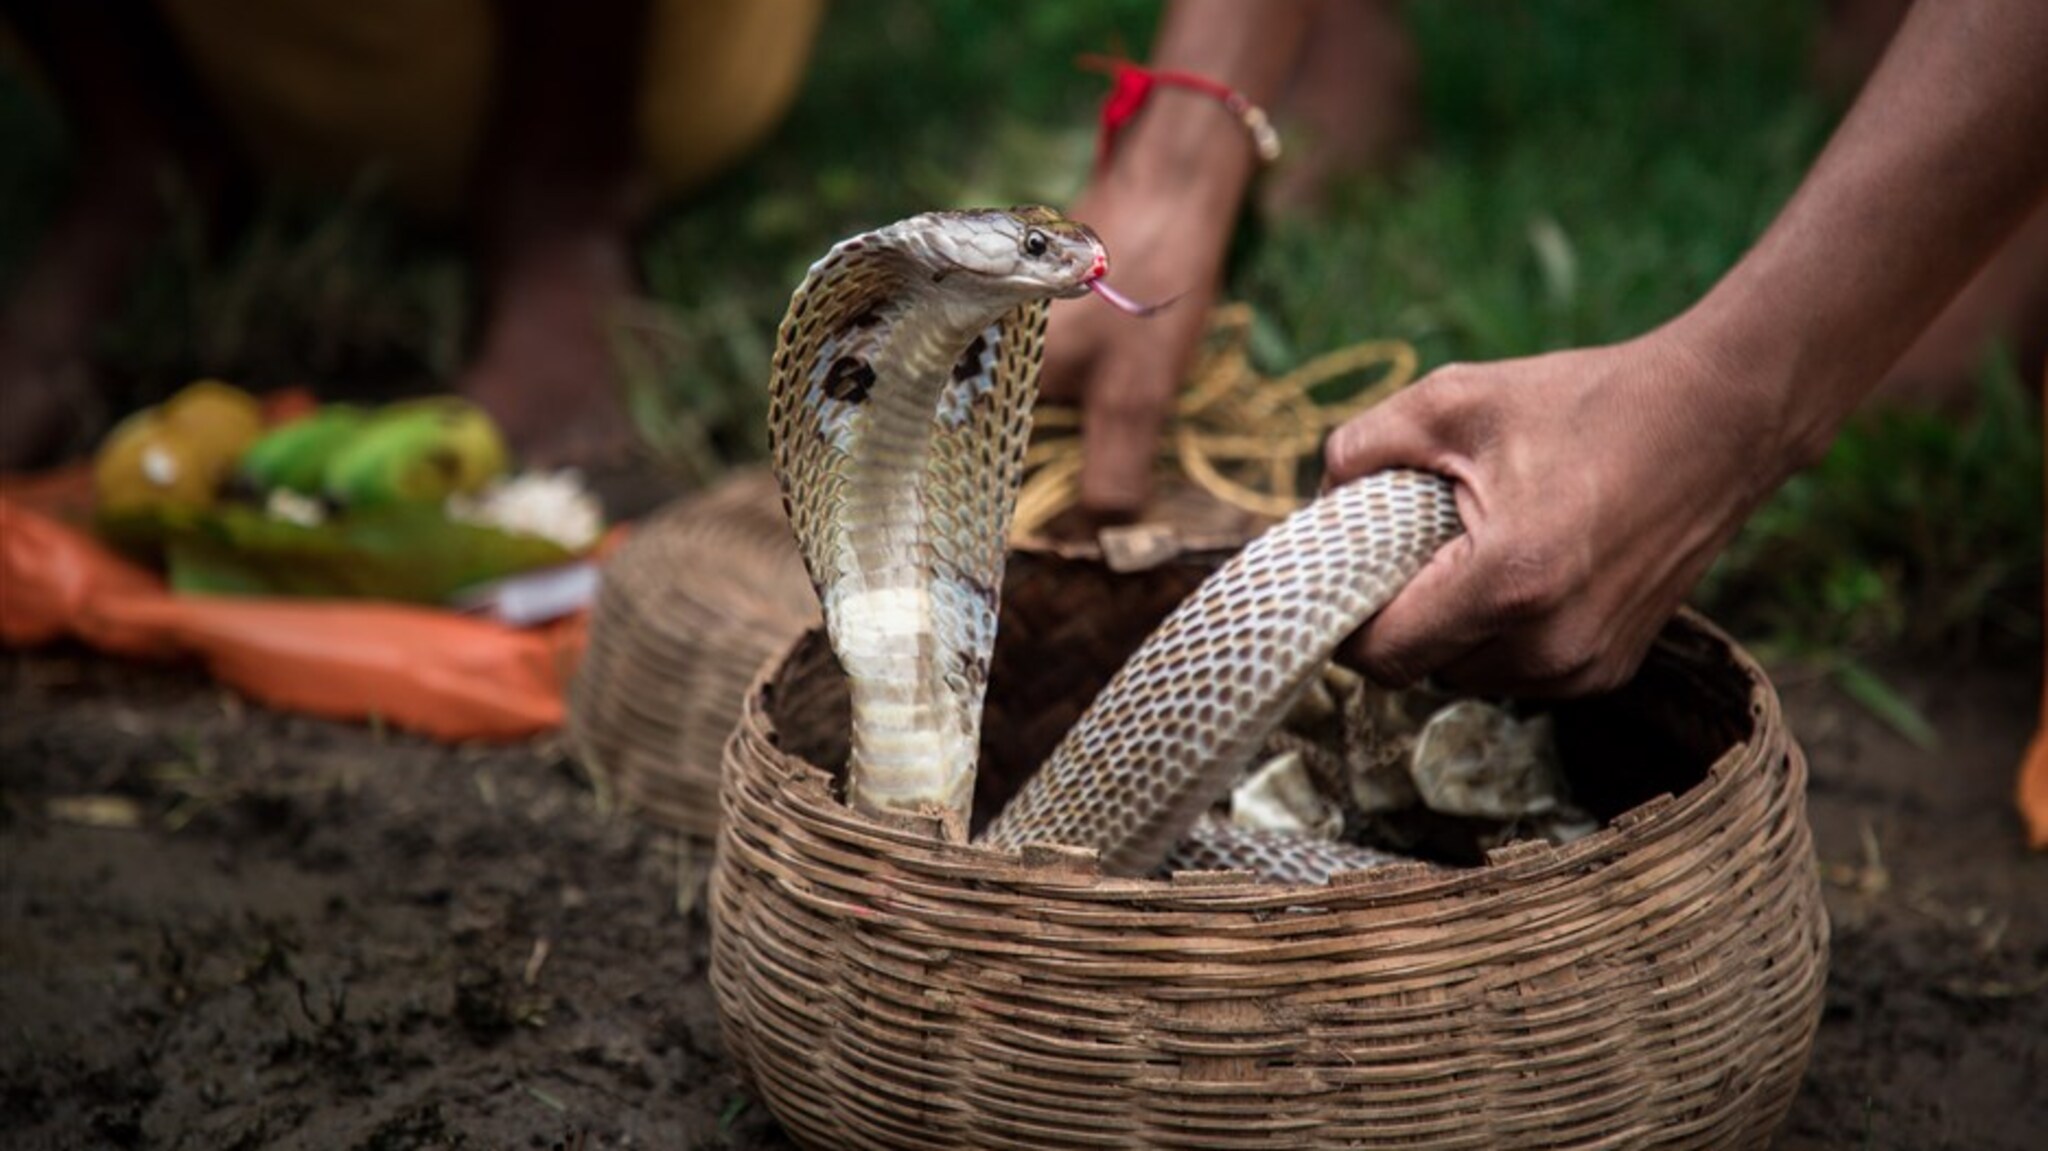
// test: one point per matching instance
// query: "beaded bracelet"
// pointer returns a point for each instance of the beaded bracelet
(1131, 85)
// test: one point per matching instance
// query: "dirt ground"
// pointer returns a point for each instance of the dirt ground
(226, 928)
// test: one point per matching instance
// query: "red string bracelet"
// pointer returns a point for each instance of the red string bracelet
(1131, 85)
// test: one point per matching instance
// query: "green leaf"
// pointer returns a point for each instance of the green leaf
(412, 553)
(1876, 696)
(734, 1107)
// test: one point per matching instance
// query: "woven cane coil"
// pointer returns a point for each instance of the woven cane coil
(704, 593)
(1655, 984)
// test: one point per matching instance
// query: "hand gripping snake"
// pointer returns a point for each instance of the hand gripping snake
(899, 410)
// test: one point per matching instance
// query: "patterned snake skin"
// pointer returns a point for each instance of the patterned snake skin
(899, 410)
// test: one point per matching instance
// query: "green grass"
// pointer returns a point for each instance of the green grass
(1915, 532)
(1590, 168)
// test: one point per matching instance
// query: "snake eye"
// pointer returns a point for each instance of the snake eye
(1035, 243)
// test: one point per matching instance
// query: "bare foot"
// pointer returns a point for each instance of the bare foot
(1352, 100)
(53, 413)
(1852, 36)
(554, 204)
(545, 369)
(72, 283)
(135, 117)
(2008, 300)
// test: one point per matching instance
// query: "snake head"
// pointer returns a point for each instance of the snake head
(1009, 255)
(1016, 254)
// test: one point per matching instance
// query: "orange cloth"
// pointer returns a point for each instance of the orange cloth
(2033, 786)
(2033, 789)
(445, 675)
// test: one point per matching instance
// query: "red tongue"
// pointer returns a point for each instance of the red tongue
(1125, 304)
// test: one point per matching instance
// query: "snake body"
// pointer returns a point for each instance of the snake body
(900, 405)
(905, 370)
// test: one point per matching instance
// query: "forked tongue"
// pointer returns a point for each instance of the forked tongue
(1125, 304)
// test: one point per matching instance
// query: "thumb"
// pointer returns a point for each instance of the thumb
(1436, 618)
(1394, 433)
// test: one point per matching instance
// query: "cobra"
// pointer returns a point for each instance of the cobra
(904, 376)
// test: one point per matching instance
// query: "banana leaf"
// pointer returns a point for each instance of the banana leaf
(409, 553)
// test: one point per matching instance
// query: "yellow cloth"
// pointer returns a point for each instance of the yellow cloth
(322, 91)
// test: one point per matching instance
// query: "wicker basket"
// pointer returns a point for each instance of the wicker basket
(704, 593)
(708, 590)
(1656, 984)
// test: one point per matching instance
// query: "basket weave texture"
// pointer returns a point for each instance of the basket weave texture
(1655, 984)
(703, 594)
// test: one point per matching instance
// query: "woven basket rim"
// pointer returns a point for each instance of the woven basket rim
(1044, 870)
(1657, 983)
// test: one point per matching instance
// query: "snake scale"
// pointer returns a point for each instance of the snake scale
(899, 410)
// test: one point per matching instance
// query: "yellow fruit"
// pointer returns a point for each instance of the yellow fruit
(178, 453)
(214, 418)
(143, 464)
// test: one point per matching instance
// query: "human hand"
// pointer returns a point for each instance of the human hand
(1596, 486)
(1124, 371)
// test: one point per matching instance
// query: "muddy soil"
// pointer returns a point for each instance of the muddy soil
(226, 928)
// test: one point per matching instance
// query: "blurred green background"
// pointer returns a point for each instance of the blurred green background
(1589, 168)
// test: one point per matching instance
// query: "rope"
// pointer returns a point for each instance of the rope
(1243, 438)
